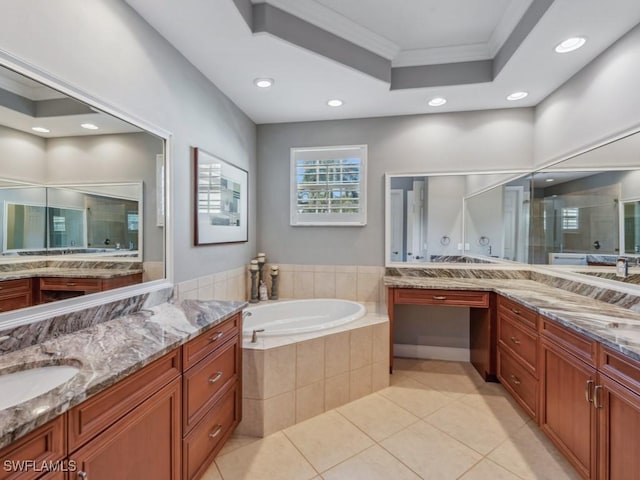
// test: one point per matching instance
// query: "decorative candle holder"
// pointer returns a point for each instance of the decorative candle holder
(254, 286)
(274, 285)
(261, 261)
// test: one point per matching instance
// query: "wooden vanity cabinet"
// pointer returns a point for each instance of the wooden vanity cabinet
(212, 394)
(517, 360)
(45, 444)
(57, 288)
(15, 294)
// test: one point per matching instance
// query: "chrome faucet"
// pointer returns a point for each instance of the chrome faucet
(254, 336)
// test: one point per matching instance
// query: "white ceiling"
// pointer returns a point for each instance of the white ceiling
(59, 125)
(213, 36)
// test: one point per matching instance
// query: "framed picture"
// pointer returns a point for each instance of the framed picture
(221, 200)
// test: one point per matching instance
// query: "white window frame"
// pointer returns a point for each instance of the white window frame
(570, 219)
(328, 219)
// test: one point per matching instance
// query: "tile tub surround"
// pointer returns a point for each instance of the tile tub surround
(227, 285)
(287, 380)
(106, 353)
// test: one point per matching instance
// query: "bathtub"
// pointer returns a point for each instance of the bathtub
(314, 355)
(301, 316)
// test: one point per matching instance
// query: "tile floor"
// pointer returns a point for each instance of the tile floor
(437, 420)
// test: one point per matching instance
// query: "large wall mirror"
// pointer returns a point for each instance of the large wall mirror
(81, 196)
(581, 214)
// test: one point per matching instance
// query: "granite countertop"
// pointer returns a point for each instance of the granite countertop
(105, 353)
(614, 326)
(68, 273)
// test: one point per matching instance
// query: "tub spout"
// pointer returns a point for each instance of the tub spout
(254, 336)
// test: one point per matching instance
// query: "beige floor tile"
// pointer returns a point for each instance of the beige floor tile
(494, 400)
(477, 428)
(431, 453)
(273, 458)
(236, 441)
(373, 464)
(530, 455)
(377, 417)
(450, 384)
(487, 470)
(414, 396)
(327, 440)
(212, 473)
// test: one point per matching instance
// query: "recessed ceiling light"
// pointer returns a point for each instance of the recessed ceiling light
(437, 101)
(570, 44)
(517, 96)
(336, 102)
(89, 126)
(40, 129)
(550, 180)
(263, 82)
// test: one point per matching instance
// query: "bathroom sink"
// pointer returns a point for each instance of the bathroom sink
(18, 387)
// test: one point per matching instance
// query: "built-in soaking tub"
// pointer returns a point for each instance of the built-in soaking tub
(313, 355)
(301, 316)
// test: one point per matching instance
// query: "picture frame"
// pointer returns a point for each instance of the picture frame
(220, 200)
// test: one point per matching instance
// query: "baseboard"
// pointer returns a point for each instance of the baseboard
(431, 352)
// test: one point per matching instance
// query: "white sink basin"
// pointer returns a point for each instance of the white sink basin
(18, 387)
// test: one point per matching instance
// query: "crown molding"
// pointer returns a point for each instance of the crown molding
(338, 24)
(438, 55)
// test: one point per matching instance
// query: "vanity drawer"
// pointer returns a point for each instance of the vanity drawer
(203, 443)
(19, 300)
(452, 298)
(203, 383)
(46, 444)
(10, 288)
(71, 284)
(620, 367)
(519, 341)
(519, 382)
(201, 346)
(94, 415)
(579, 345)
(517, 312)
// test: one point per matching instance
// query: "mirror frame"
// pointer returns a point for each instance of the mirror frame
(36, 313)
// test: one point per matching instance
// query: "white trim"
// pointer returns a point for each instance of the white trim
(439, 55)
(426, 352)
(27, 69)
(507, 24)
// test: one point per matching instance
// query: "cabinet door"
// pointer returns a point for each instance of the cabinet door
(619, 424)
(567, 413)
(144, 444)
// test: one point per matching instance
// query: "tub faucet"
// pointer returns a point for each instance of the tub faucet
(254, 336)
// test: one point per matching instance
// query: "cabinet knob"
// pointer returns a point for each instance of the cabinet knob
(216, 432)
(515, 340)
(515, 379)
(516, 311)
(83, 475)
(216, 336)
(215, 378)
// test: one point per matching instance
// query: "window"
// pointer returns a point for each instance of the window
(570, 220)
(328, 185)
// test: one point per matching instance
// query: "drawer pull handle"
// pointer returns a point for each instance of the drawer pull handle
(516, 311)
(216, 336)
(515, 379)
(83, 475)
(515, 340)
(71, 284)
(587, 391)
(596, 403)
(216, 432)
(215, 378)
(439, 297)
